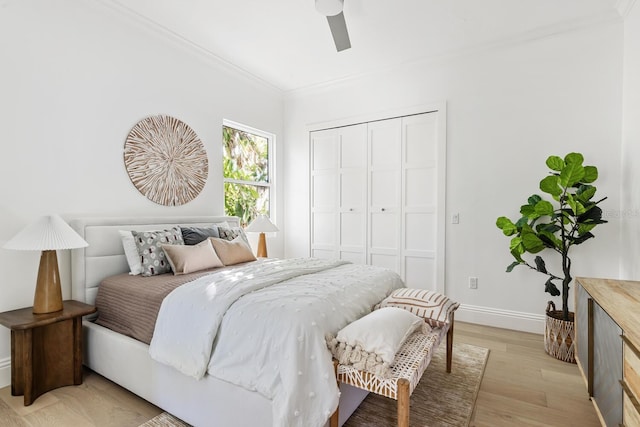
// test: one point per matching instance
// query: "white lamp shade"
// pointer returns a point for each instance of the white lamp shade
(48, 233)
(329, 7)
(262, 224)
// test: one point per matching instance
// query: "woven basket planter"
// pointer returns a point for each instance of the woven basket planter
(559, 335)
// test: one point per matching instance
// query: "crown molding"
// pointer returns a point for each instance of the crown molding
(624, 7)
(184, 43)
(536, 34)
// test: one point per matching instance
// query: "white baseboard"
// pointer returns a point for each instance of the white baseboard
(5, 372)
(506, 319)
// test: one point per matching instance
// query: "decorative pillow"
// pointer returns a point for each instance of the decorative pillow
(188, 259)
(131, 252)
(195, 235)
(371, 342)
(232, 252)
(230, 233)
(149, 244)
(433, 307)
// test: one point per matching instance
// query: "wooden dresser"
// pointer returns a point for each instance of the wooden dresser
(608, 347)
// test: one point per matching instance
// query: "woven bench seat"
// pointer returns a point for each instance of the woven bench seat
(410, 362)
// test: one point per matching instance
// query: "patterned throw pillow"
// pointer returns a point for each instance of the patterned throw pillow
(149, 243)
(433, 307)
(231, 233)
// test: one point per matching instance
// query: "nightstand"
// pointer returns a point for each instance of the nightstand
(46, 349)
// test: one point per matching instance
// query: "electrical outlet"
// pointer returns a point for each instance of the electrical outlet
(473, 283)
(455, 218)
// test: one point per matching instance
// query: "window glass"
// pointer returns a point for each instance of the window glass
(246, 166)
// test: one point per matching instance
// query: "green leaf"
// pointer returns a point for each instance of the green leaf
(534, 199)
(522, 222)
(590, 174)
(591, 215)
(544, 208)
(576, 206)
(551, 288)
(507, 227)
(529, 211)
(585, 193)
(582, 238)
(515, 242)
(585, 228)
(574, 158)
(550, 185)
(540, 266)
(550, 239)
(555, 163)
(531, 241)
(511, 266)
(572, 173)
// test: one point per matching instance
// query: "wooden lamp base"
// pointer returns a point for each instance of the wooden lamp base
(262, 246)
(48, 296)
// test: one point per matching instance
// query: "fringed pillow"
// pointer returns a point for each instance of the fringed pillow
(371, 342)
(433, 307)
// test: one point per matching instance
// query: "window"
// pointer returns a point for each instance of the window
(247, 171)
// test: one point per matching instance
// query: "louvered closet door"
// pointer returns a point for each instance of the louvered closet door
(420, 201)
(384, 141)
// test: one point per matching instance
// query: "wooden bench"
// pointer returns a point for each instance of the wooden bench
(409, 364)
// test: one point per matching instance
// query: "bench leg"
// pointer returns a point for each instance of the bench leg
(450, 344)
(403, 402)
(333, 421)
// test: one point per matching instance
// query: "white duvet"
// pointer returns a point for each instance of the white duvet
(262, 326)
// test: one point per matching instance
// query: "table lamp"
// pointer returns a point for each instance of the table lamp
(47, 234)
(262, 224)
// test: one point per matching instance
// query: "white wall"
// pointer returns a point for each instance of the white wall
(508, 108)
(630, 236)
(75, 77)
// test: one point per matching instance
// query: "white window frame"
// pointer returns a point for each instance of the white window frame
(271, 142)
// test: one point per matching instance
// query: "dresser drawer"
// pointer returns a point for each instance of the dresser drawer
(630, 413)
(632, 368)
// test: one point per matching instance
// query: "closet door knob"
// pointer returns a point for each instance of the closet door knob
(382, 209)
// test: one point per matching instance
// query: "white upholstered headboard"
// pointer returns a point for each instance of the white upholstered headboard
(104, 256)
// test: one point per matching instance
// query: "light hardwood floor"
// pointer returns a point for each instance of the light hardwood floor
(522, 386)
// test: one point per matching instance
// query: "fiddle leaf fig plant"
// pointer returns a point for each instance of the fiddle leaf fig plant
(556, 225)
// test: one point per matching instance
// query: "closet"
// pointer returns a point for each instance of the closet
(377, 196)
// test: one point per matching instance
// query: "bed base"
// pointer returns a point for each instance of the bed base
(206, 402)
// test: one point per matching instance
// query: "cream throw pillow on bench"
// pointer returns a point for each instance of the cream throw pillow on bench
(371, 342)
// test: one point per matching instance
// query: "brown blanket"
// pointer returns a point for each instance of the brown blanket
(129, 304)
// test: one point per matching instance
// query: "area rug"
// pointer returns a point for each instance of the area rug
(440, 400)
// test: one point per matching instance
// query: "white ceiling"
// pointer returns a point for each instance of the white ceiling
(288, 44)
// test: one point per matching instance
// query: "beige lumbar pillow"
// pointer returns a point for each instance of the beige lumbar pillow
(232, 252)
(190, 258)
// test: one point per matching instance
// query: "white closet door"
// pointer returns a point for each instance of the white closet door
(338, 193)
(420, 200)
(384, 141)
(353, 194)
(324, 204)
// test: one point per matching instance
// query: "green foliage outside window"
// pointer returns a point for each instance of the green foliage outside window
(246, 174)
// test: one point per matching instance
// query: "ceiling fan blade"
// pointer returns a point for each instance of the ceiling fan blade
(338, 27)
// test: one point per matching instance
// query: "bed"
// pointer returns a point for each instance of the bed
(206, 401)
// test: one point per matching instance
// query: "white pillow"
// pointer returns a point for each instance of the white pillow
(371, 342)
(131, 252)
(381, 331)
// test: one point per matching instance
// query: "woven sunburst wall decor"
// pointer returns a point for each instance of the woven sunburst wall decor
(166, 160)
